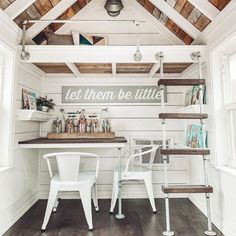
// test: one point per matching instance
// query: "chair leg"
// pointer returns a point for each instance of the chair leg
(94, 196)
(51, 201)
(115, 192)
(55, 205)
(149, 188)
(85, 195)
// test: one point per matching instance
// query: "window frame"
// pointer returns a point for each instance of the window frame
(221, 145)
(7, 105)
(229, 107)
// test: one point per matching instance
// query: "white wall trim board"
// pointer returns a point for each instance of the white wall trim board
(17, 7)
(19, 208)
(206, 8)
(183, 23)
(110, 54)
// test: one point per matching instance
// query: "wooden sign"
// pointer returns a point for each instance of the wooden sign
(111, 94)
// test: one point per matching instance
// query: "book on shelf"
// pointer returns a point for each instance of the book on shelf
(192, 96)
(194, 137)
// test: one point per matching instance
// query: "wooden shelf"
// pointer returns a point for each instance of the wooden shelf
(185, 151)
(181, 82)
(32, 115)
(187, 189)
(183, 116)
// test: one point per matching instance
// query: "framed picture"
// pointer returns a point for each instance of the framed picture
(28, 99)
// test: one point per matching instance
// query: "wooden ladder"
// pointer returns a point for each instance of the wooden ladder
(166, 188)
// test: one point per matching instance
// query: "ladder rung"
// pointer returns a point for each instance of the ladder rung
(185, 151)
(181, 82)
(183, 116)
(187, 189)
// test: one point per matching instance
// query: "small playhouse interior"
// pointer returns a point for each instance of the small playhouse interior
(117, 117)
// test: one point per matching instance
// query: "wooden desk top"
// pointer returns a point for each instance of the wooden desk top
(74, 141)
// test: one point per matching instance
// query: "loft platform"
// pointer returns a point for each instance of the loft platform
(110, 54)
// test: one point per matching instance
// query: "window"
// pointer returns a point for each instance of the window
(7, 86)
(229, 85)
(139, 145)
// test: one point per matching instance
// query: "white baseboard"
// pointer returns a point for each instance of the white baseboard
(223, 226)
(19, 208)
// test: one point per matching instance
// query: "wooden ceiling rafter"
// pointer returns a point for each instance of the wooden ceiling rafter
(175, 29)
(53, 14)
(179, 19)
(208, 9)
(17, 7)
(66, 15)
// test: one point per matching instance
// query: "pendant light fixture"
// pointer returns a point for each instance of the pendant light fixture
(113, 7)
(137, 55)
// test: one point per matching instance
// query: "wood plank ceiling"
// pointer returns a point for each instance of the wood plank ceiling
(188, 11)
(106, 68)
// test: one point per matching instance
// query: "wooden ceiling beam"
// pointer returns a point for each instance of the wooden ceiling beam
(17, 7)
(73, 68)
(111, 54)
(53, 14)
(206, 8)
(176, 17)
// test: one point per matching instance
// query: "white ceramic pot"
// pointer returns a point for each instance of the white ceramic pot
(45, 109)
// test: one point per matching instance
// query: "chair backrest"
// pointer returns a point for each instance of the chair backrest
(68, 164)
(148, 153)
(151, 150)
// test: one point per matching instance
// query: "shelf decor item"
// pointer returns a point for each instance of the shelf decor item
(192, 95)
(28, 99)
(82, 125)
(44, 104)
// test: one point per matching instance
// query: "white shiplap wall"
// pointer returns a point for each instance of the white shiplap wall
(19, 184)
(129, 121)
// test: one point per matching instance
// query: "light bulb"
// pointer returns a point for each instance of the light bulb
(137, 56)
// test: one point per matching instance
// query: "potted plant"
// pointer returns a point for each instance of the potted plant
(44, 104)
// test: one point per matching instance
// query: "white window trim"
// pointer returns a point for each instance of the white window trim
(221, 142)
(8, 101)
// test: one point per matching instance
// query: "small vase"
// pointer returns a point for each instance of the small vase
(45, 109)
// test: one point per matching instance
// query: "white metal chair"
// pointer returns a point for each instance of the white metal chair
(69, 178)
(142, 173)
